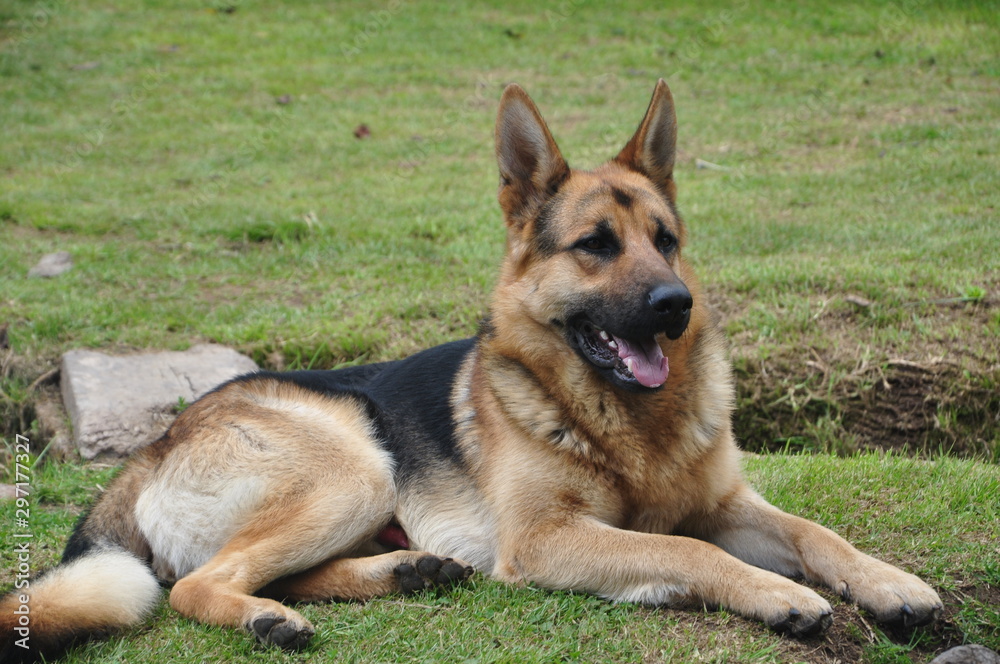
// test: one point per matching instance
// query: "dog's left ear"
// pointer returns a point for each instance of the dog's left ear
(653, 147)
(531, 166)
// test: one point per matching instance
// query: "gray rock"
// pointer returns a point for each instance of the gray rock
(52, 265)
(119, 403)
(967, 655)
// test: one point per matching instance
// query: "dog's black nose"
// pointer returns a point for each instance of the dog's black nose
(670, 299)
(672, 304)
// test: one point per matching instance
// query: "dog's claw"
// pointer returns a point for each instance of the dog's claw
(908, 617)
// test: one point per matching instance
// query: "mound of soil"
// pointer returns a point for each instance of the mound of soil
(930, 396)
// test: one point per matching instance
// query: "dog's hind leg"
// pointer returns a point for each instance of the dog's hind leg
(288, 481)
(219, 594)
(367, 577)
(282, 541)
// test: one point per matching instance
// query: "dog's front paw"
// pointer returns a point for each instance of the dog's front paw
(801, 624)
(785, 606)
(893, 596)
(798, 612)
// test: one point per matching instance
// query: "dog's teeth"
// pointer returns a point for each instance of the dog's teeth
(612, 345)
(629, 363)
(604, 335)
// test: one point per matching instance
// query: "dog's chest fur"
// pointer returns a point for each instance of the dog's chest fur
(645, 468)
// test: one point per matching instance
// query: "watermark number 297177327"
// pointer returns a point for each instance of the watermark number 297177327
(21, 540)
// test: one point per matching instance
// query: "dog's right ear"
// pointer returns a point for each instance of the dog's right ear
(531, 166)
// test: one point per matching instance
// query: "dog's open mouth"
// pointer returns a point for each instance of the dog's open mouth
(631, 361)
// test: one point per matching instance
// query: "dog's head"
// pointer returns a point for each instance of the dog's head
(594, 257)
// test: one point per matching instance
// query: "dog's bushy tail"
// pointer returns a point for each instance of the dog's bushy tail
(102, 591)
(103, 584)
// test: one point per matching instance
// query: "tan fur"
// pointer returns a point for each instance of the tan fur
(592, 486)
(286, 521)
(265, 433)
(595, 487)
(264, 490)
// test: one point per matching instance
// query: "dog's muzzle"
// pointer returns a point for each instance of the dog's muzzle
(624, 347)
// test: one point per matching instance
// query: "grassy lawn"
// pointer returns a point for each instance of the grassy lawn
(199, 161)
(940, 520)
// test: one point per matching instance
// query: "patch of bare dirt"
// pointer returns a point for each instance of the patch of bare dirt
(924, 407)
(937, 392)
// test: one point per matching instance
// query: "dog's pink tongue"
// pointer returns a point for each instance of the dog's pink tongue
(645, 360)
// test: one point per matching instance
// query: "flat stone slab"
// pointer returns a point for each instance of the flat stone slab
(52, 265)
(120, 403)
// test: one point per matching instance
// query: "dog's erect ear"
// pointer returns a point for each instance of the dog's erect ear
(531, 166)
(653, 147)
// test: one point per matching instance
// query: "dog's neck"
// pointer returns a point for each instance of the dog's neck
(565, 404)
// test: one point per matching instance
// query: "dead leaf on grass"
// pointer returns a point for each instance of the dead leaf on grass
(857, 301)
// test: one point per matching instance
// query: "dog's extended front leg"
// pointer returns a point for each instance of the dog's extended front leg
(623, 565)
(756, 532)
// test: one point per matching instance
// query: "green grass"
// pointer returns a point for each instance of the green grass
(860, 156)
(149, 141)
(938, 519)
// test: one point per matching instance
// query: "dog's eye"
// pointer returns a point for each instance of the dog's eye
(598, 246)
(601, 242)
(666, 243)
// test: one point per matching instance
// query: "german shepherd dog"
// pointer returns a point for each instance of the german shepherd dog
(581, 440)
